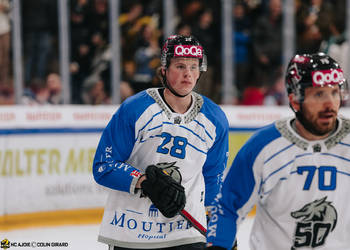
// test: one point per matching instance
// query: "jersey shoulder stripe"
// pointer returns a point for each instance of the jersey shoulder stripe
(135, 105)
(261, 138)
(214, 113)
(246, 157)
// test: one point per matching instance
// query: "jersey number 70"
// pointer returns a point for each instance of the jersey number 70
(327, 176)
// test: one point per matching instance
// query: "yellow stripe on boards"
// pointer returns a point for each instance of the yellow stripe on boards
(57, 218)
(51, 218)
(94, 215)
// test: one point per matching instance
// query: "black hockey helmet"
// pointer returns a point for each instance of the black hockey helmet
(183, 46)
(314, 70)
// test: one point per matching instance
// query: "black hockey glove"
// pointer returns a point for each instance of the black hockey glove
(165, 193)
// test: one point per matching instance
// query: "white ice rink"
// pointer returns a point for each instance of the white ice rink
(85, 237)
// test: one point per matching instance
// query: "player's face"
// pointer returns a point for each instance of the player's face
(320, 108)
(182, 74)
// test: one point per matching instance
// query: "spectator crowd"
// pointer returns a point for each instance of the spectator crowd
(256, 38)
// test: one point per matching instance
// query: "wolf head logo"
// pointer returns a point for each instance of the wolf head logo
(318, 210)
(315, 221)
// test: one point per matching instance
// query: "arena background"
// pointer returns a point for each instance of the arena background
(46, 158)
(46, 155)
(47, 192)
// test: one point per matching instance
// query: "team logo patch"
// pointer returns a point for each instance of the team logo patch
(188, 51)
(316, 220)
(153, 211)
(170, 169)
(327, 77)
(293, 71)
(177, 120)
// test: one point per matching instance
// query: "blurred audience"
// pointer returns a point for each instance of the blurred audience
(257, 39)
(190, 10)
(253, 95)
(147, 54)
(126, 90)
(43, 92)
(54, 85)
(4, 42)
(80, 69)
(81, 52)
(39, 25)
(130, 25)
(98, 24)
(312, 19)
(37, 93)
(242, 47)
(183, 29)
(267, 44)
(79, 24)
(95, 93)
(6, 95)
(337, 45)
(276, 95)
(204, 31)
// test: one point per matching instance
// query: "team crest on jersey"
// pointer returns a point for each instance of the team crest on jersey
(170, 169)
(153, 211)
(177, 120)
(315, 221)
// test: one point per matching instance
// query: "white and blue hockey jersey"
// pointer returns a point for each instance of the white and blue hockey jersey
(145, 131)
(301, 190)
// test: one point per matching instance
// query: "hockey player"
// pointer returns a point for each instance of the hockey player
(296, 170)
(164, 149)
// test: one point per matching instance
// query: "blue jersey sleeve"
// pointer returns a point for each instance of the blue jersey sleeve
(237, 189)
(217, 155)
(222, 226)
(116, 144)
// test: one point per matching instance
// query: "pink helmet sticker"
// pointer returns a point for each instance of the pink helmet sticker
(188, 51)
(327, 77)
(300, 59)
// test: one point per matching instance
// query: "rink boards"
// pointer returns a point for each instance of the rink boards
(46, 155)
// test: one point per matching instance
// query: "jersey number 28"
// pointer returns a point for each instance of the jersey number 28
(175, 146)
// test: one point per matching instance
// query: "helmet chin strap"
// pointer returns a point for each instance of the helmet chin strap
(166, 85)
